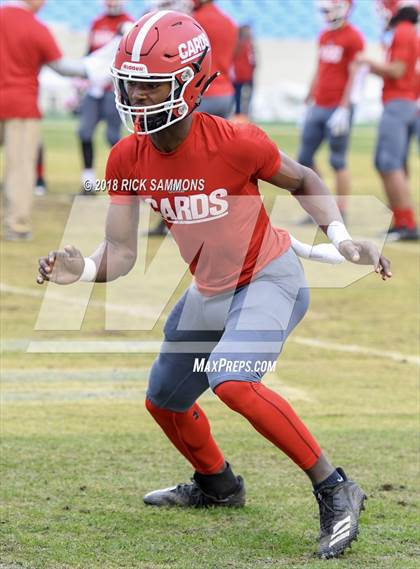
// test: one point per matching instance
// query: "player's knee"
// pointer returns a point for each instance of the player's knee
(387, 162)
(158, 391)
(235, 394)
(338, 161)
(84, 135)
(151, 407)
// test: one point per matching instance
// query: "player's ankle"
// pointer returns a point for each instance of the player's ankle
(336, 477)
(221, 484)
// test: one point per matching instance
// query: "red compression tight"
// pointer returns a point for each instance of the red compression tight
(273, 417)
(190, 433)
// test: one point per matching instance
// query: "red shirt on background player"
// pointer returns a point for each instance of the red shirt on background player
(399, 115)
(404, 48)
(105, 27)
(244, 61)
(330, 105)
(337, 50)
(223, 35)
(25, 46)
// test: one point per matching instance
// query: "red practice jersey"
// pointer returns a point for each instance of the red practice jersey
(104, 28)
(244, 62)
(207, 192)
(25, 46)
(223, 35)
(418, 70)
(403, 48)
(337, 49)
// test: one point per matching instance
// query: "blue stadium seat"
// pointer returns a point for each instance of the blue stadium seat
(269, 18)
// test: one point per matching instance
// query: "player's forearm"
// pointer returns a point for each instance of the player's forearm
(345, 99)
(69, 67)
(391, 70)
(316, 199)
(112, 261)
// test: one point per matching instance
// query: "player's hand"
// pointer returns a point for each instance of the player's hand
(339, 121)
(366, 253)
(61, 267)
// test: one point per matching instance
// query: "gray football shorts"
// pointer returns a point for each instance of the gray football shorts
(234, 336)
(397, 124)
(315, 131)
(93, 110)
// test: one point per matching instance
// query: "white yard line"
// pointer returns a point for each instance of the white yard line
(91, 374)
(396, 356)
(92, 346)
(120, 308)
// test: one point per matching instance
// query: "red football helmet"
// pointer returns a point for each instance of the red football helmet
(162, 46)
(388, 8)
(335, 12)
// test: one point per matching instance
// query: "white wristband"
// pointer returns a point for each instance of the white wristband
(323, 252)
(89, 271)
(337, 233)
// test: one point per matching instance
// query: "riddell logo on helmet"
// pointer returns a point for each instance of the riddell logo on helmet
(193, 47)
(136, 67)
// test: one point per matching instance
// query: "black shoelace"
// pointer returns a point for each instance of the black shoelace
(194, 494)
(328, 509)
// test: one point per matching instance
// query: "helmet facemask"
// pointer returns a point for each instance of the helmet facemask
(334, 13)
(152, 118)
(162, 47)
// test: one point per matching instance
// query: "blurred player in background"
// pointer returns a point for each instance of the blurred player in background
(25, 46)
(223, 35)
(329, 116)
(98, 103)
(200, 172)
(244, 64)
(40, 183)
(398, 121)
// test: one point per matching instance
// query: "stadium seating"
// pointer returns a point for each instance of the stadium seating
(269, 18)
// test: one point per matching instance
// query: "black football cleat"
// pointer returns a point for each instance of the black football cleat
(339, 512)
(402, 234)
(192, 496)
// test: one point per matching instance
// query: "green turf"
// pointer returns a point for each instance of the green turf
(79, 450)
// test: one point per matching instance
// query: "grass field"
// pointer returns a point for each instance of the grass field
(79, 450)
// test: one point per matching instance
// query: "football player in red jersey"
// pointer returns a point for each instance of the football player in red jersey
(98, 103)
(329, 115)
(26, 44)
(398, 119)
(201, 173)
(223, 34)
(243, 70)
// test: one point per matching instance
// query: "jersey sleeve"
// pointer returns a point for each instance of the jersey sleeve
(267, 156)
(357, 44)
(401, 46)
(47, 45)
(257, 152)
